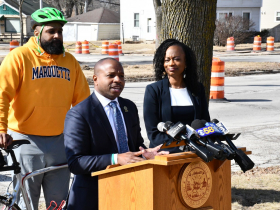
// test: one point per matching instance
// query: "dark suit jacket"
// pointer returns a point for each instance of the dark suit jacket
(89, 144)
(157, 108)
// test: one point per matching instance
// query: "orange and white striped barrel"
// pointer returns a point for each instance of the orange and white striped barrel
(78, 49)
(119, 43)
(105, 48)
(85, 47)
(113, 51)
(257, 46)
(270, 43)
(230, 44)
(13, 44)
(217, 79)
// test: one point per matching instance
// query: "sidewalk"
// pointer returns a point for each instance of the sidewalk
(245, 53)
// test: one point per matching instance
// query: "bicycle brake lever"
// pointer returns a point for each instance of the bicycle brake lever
(16, 143)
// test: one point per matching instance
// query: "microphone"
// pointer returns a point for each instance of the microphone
(216, 149)
(163, 127)
(221, 126)
(230, 154)
(172, 130)
(178, 132)
(241, 158)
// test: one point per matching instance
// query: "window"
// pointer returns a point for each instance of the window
(12, 25)
(136, 19)
(277, 16)
(4, 7)
(149, 27)
(246, 20)
(224, 15)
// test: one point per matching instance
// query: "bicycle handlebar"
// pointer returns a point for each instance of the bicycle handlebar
(16, 143)
(15, 166)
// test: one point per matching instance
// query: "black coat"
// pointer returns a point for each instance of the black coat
(89, 144)
(157, 108)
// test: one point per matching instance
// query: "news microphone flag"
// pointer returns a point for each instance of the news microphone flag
(210, 129)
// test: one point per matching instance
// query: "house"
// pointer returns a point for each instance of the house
(98, 24)
(9, 17)
(270, 18)
(137, 20)
(248, 9)
(138, 17)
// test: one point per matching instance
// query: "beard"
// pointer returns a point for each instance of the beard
(54, 46)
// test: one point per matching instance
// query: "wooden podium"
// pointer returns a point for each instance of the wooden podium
(169, 182)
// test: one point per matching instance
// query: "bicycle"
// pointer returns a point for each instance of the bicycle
(9, 199)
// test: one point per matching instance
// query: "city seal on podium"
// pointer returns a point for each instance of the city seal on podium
(194, 184)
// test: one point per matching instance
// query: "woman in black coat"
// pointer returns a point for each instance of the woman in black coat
(177, 95)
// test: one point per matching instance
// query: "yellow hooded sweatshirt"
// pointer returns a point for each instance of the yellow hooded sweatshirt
(36, 91)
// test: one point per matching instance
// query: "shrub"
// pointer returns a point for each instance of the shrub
(264, 34)
(234, 26)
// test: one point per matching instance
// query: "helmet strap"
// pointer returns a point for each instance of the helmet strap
(38, 40)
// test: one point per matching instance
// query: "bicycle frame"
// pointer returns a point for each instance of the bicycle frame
(20, 184)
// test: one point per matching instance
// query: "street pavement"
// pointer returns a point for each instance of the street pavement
(137, 59)
(247, 56)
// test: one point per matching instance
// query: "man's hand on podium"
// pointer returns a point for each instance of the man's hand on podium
(132, 157)
(129, 157)
(152, 152)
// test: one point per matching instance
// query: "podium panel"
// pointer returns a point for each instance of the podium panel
(155, 185)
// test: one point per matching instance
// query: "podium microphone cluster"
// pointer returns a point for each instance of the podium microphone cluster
(205, 139)
(178, 132)
(229, 149)
(240, 158)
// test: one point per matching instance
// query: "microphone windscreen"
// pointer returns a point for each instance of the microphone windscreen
(214, 121)
(203, 121)
(160, 126)
(196, 124)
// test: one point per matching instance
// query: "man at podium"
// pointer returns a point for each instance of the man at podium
(102, 130)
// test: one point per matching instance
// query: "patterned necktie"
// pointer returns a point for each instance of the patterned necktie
(119, 128)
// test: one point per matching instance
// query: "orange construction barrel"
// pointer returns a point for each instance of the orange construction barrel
(78, 49)
(113, 51)
(85, 47)
(119, 43)
(13, 44)
(270, 43)
(105, 48)
(257, 46)
(217, 80)
(230, 44)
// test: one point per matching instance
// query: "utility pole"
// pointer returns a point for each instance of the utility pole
(41, 4)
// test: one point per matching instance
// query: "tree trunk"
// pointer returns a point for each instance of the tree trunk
(56, 4)
(21, 22)
(193, 23)
(68, 8)
(86, 6)
(157, 5)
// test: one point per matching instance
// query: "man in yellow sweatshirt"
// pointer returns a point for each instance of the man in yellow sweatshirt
(38, 84)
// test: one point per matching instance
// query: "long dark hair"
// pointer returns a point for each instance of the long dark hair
(191, 78)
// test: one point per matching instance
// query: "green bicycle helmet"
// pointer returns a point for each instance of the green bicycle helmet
(43, 16)
(47, 14)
